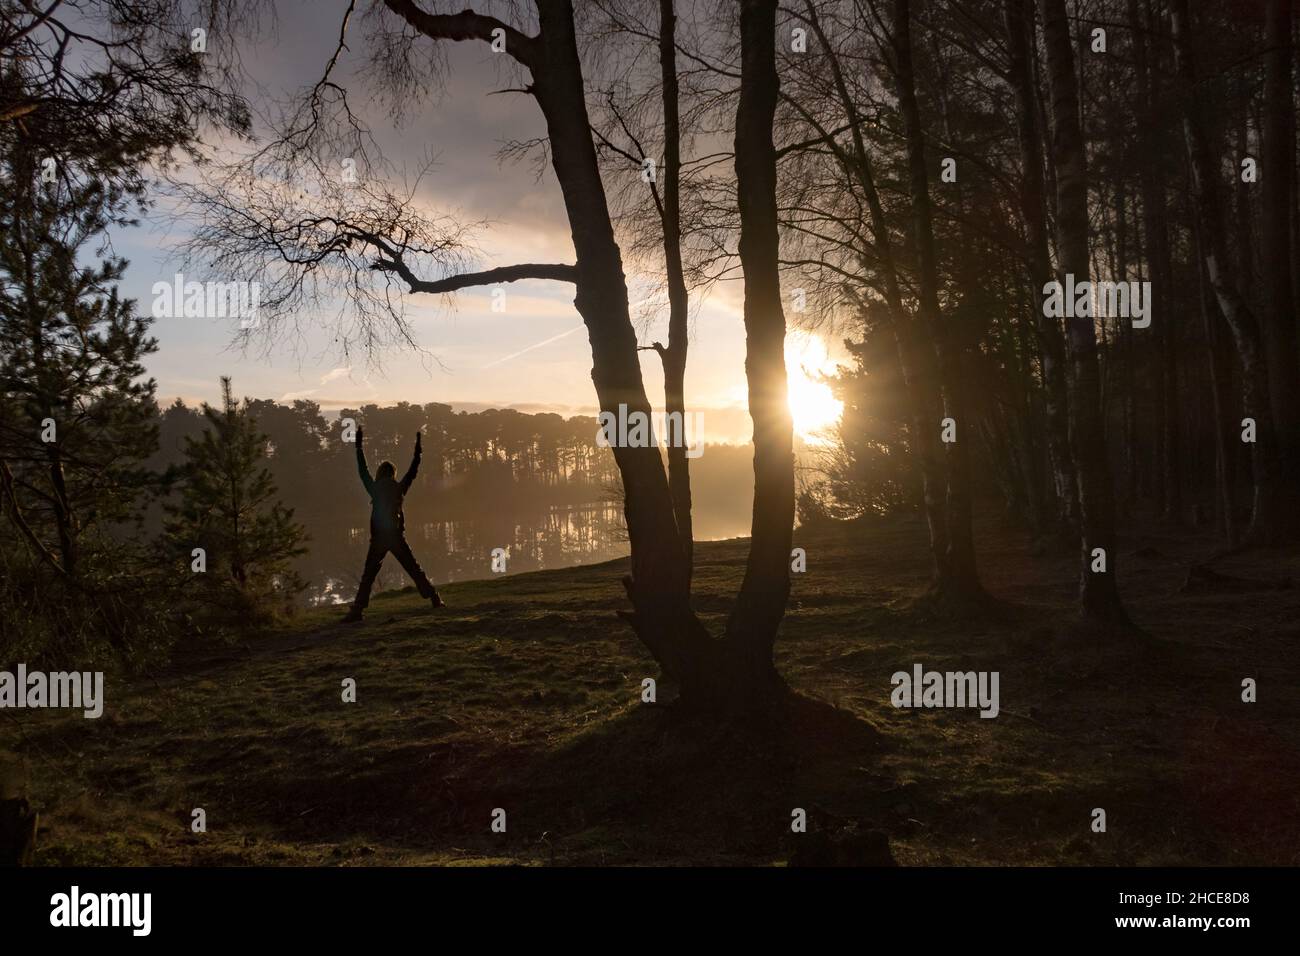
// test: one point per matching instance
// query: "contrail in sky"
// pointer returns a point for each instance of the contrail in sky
(538, 345)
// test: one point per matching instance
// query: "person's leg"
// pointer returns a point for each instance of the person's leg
(402, 551)
(374, 560)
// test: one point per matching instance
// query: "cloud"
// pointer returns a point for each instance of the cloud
(333, 375)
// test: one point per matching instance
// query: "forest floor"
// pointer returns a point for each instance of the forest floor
(525, 694)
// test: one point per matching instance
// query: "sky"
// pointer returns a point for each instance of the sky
(532, 356)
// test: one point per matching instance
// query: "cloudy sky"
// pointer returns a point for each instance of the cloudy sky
(533, 356)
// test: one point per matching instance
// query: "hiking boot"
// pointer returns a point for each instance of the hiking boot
(353, 616)
(437, 602)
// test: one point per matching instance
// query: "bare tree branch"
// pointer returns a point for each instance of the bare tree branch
(467, 25)
(527, 270)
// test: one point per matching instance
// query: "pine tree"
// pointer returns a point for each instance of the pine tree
(77, 421)
(91, 106)
(229, 507)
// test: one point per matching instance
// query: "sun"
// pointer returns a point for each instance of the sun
(813, 405)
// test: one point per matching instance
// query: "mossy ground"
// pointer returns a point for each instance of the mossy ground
(525, 694)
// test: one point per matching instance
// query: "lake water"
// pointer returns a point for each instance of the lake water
(462, 550)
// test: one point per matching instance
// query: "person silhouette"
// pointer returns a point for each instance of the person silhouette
(388, 528)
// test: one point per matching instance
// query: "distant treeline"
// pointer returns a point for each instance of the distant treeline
(475, 463)
(536, 484)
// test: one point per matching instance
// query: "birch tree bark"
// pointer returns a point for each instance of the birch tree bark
(1098, 591)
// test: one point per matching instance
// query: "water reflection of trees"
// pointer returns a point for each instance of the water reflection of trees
(458, 550)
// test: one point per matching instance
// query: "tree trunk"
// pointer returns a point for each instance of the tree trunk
(1099, 594)
(64, 520)
(1220, 365)
(1220, 268)
(659, 584)
(713, 674)
(1160, 272)
(961, 577)
(1019, 15)
(760, 605)
(1278, 169)
(674, 356)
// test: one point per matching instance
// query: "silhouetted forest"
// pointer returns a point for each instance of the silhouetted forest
(1059, 240)
(1186, 132)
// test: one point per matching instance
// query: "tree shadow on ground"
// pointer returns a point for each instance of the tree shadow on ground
(685, 788)
(652, 784)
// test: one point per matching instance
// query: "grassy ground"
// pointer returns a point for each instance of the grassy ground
(525, 694)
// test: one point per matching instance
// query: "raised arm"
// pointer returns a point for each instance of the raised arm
(415, 466)
(362, 469)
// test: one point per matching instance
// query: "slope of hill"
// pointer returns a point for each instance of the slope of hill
(525, 695)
